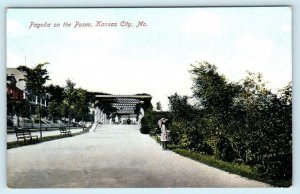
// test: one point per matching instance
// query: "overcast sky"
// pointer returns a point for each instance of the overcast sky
(155, 58)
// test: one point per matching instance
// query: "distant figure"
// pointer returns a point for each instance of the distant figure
(141, 115)
(128, 121)
(96, 126)
(164, 134)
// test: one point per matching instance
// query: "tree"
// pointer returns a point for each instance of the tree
(35, 79)
(69, 98)
(82, 104)
(244, 121)
(215, 96)
(180, 108)
(183, 129)
(270, 129)
(212, 89)
(54, 110)
(56, 93)
(246, 118)
(55, 104)
(158, 106)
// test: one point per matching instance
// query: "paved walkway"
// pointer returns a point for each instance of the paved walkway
(112, 156)
(12, 136)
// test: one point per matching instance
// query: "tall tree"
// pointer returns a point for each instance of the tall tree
(215, 98)
(180, 108)
(56, 94)
(69, 98)
(82, 104)
(35, 79)
(211, 88)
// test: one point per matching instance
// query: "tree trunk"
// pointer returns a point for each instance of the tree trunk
(40, 123)
(82, 123)
(69, 120)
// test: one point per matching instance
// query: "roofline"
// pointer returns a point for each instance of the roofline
(122, 96)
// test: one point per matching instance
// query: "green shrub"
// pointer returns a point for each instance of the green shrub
(225, 151)
(244, 122)
(145, 125)
(149, 122)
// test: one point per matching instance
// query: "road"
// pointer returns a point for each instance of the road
(113, 156)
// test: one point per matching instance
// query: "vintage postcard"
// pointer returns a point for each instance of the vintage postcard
(186, 97)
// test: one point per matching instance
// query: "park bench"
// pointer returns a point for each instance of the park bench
(64, 131)
(25, 135)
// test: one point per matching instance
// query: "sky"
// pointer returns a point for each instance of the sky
(156, 57)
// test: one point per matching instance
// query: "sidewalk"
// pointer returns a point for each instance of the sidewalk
(113, 156)
(10, 137)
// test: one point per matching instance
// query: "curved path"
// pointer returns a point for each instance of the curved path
(112, 156)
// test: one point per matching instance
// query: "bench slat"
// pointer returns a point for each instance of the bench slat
(64, 131)
(25, 134)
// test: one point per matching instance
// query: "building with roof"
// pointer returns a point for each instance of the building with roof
(15, 93)
(19, 76)
(19, 85)
(126, 109)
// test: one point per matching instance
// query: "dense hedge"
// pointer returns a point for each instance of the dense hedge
(240, 122)
(149, 121)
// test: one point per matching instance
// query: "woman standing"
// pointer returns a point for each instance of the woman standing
(164, 134)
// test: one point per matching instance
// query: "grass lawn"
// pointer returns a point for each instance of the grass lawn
(235, 168)
(15, 144)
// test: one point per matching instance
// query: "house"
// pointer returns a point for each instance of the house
(20, 84)
(13, 91)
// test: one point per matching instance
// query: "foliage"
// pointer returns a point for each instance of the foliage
(149, 123)
(56, 93)
(20, 108)
(180, 108)
(233, 167)
(147, 106)
(158, 106)
(35, 79)
(15, 144)
(69, 99)
(54, 110)
(211, 89)
(106, 107)
(43, 111)
(82, 104)
(67, 102)
(69, 93)
(242, 122)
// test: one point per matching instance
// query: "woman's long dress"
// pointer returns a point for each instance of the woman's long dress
(163, 136)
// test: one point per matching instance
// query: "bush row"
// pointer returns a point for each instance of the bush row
(242, 122)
